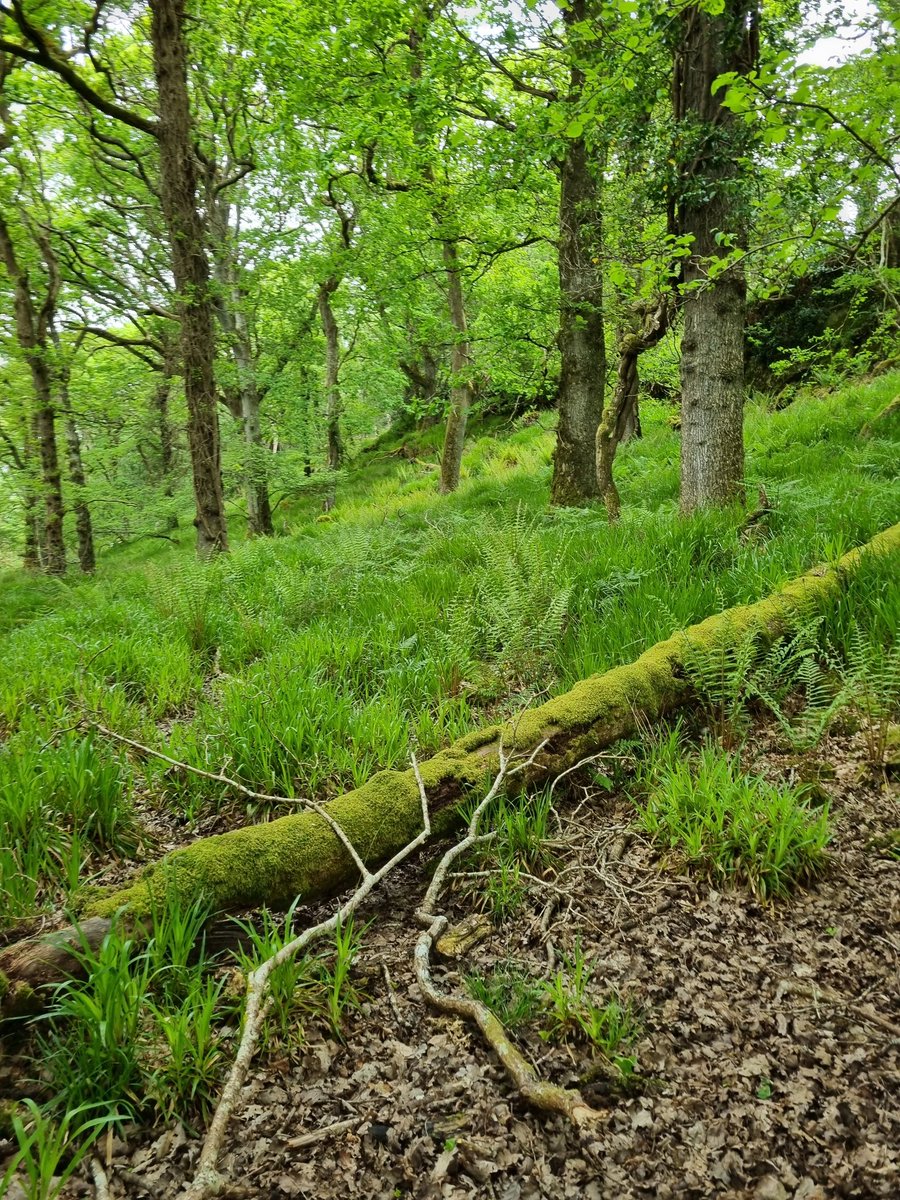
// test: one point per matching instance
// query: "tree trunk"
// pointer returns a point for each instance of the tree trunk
(83, 526)
(647, 327)
(711, 203)
(51, 477)
(332, 369)
(31, 336)
(889, 253)
(230, 306)
(460, 368)
(190, 267)
(581, 335)
(259, 508)
(84, 530)
(161, 396)
(31, 553)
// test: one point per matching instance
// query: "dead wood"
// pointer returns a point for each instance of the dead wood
(303, 854)
(547, 1097)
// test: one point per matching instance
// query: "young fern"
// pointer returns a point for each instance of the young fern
(800, 663)
(873, 681)
(721, 675)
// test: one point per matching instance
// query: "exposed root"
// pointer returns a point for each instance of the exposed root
(547, 1097)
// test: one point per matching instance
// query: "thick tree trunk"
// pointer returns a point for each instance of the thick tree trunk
(648, 325)
(332, 370)
(83, 526)
(460, 373)
(710, 206)
(190, 267)
(581, 334)
(31, 334)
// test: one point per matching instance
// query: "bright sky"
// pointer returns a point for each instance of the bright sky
(832, 50)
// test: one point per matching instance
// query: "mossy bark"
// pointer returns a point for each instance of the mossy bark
(300, 855)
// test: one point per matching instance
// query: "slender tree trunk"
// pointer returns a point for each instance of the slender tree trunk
(889, 252)
(83, 526)
(190, 267)
(84, 530)
(51, 476)
(711, 204)
(259, 508)
(162, 395)
(332, 368)
(648, 325)
(460, 373)
(31, 555)
(233, 319)
(581, 335)
(31, 336)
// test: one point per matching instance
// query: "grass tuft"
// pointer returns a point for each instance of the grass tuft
(737, 829)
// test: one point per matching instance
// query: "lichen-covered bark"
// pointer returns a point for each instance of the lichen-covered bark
(300, 855)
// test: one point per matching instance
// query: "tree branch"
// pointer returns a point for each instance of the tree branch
(52, 58)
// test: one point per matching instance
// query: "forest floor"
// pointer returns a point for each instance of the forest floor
(767, 1036)
(768, 1051)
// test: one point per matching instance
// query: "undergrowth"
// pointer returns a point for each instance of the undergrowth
(738, 829)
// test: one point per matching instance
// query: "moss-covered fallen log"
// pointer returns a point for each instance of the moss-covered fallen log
(300, 855)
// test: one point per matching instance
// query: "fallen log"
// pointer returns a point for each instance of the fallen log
(301, 855)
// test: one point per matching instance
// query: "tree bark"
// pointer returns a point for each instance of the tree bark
(31, 334)
(460, 373)
(84, 530)
(581, 333)
(190, 267)
(332, 370)
(83, 526)
(889, 251)
(162, 395)
(230, 307)
(648, 326)
(32, 553)
(711, 205)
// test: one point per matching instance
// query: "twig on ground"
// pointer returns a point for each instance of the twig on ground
(816, 993)
(542, 1095)
(207, 1179)
(183, 766)
(392, 999)
(319, 1135)
(101, 1182)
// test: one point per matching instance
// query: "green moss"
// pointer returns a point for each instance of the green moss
(300, 854)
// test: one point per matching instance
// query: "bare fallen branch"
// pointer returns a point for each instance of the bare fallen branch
(207, 1180)
(100, 1179)
(319, 1135)
(183, 766)
(547, 1097)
